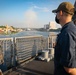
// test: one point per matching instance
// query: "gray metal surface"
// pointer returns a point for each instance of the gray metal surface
(34, 67)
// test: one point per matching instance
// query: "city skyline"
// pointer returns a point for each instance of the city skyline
(28, 13)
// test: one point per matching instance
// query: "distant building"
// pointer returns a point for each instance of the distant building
(51, 25)
(7, 29)
(46, 26)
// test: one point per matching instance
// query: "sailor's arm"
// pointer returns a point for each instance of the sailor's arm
(71, 71)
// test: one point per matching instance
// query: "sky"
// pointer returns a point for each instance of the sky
(28, 13)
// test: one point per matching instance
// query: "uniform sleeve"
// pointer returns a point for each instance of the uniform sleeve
(68, 57)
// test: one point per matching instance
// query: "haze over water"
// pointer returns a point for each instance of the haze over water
(28, 33)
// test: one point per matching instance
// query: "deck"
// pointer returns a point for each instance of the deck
(34, 67)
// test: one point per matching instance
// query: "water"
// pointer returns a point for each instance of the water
(28, 33)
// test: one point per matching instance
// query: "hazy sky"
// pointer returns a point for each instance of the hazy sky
(28, 13)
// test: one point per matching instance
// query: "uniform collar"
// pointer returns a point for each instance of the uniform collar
(66, 25)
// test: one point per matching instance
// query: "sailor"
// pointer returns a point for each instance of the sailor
(65, 48)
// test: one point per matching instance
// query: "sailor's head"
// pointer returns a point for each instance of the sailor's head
(65, 8)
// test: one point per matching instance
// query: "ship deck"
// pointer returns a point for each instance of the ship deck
(34, 67)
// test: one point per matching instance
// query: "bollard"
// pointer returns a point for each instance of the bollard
(51, 52)
(45, 54)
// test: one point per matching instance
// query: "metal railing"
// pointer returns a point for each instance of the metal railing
(6, 51)
(20, 49)
(27, 47)
(52, 40)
